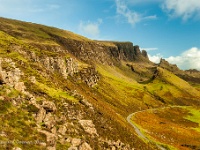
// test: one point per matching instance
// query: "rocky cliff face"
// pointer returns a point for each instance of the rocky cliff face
(103, 52)
(126, 51)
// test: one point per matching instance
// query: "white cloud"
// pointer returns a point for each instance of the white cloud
(150, 49)
(153, 17)
(182, 8)
(131, 16)
(155, 58)
(189, 59)
(122, 9)
(90, 29)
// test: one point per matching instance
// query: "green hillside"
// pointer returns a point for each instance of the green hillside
(60, 90)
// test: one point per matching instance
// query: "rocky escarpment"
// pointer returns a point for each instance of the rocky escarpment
(126, 51)
(102, 52)
(65, 65)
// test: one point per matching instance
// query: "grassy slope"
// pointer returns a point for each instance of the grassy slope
(44, 87)
(117, 93)
(175, 126)
(126, 95)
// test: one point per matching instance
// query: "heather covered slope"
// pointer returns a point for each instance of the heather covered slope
(62, 90)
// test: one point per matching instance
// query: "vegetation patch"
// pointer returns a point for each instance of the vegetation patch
(194, 116)
(169, 126)
(54, 93)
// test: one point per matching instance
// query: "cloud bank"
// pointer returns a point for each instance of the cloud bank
(185, 9)
(155, 58)
(189, 59)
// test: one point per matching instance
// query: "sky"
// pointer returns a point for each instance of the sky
(168, 29)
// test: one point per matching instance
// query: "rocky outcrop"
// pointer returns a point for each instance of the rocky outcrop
(64, 66)
(69, 67)
(166, 65)
(144, 54)
(85, 146)
(40, 115)
(50, 139)
(46, 118)
(126, 51)
(90, 76)
(11, 75)
(76, 142)
(49, 106)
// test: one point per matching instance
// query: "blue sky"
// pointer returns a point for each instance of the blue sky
(165, 28)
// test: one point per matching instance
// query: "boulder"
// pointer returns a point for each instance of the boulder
(49, 106)
(49, 121)
(19, 86)
(73, 148)
(40, 115)
(62, 130)
(75, 142)
(85, 146)
(50, 138)
(32, 79)
(88, 126)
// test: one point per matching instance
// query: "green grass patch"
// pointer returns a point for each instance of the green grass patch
(55, 93)
(194, 116)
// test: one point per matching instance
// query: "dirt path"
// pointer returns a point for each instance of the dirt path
(137, 130)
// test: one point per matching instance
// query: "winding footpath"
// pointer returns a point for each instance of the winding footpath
(139, 133)
(137, 130)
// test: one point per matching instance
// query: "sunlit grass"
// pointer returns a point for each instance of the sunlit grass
(194, 116)
(55, 93)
